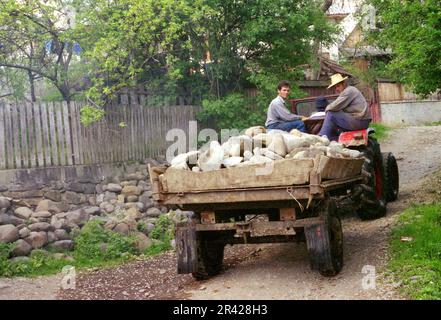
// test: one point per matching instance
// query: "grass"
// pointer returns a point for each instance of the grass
(434, 124)
(416, 264)
(94, 247)
(381, 131)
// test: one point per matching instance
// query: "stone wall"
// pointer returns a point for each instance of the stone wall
(40, 208)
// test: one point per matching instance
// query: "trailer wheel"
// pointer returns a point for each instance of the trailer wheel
(210, 254)
(325, 241)
(373, 196)
(391, 176)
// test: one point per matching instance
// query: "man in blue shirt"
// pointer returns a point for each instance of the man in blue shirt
(278, 116)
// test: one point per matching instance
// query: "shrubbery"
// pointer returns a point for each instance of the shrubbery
(96, 243)
(94, 247)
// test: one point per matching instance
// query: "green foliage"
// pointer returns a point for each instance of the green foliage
(378, 68)
(381, 131)
(96, 243)
(90, 115)
(436, 123)
(163, 230)
(204, 48)
(232, 112)
(94, 247)
(158, 248)
(131, 40)
(5, 250)
(417, 264)
(37, 38)
(13, 81)
(141, 226)
(37, 264)
(412, 29)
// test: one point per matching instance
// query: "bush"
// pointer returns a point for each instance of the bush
(94, 247)
(163, 230)
(234, 111)
(381, 131)
(5, 251)
(95, 243)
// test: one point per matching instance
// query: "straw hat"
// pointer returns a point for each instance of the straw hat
(336, 78)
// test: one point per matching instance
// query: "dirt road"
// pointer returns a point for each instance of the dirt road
(272, 271)
(282, 271)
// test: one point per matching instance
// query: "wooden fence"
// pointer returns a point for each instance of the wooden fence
(50, 134)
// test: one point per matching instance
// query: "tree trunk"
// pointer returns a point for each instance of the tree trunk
(326, 5)
(65, 92)
(32, 85)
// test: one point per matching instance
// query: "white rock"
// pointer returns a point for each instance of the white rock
(179, 159)
(212, 158)
(259, 159)
(232, 162)
(253, 131)
(278, 146)
(247, 155)
(180, 166)
(293, 142)
(270, 154)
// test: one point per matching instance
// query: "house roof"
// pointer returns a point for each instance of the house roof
(329, 67)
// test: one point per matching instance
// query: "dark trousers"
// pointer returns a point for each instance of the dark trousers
(288, 126)
(338, 122)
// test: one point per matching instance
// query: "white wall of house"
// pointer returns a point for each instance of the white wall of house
(410, 113)
(347, 25)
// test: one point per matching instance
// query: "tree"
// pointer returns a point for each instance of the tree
(208, 48)
(36, 37)
(129, 42)
(256, 44)
(412, 29)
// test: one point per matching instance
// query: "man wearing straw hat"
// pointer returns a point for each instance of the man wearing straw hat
(347, 113)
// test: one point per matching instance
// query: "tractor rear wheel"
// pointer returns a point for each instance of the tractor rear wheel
(391, 176)
(373, 196)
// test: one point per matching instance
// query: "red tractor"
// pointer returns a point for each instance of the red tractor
(380, 171)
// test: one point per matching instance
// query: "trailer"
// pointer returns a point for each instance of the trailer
(286, 201)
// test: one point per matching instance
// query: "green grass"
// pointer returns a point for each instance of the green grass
(434, 124)
(94, 247)
(381, 131)
(417, 264)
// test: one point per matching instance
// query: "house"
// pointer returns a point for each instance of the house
(390, 102)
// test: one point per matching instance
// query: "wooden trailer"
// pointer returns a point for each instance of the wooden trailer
(283, 201)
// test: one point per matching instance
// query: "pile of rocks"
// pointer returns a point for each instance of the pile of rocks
(124, 205)
(258, 146)
(31, 229)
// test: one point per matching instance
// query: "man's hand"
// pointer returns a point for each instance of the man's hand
(304, 118)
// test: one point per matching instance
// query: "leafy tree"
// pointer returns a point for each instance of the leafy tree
(12, 84)
(412, 29)
(36, 37)
(256, 44)
(129, 42)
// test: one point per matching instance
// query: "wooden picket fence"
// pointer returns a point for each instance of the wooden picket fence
(51, 134)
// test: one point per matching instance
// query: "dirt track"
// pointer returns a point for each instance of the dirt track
(276, 271)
